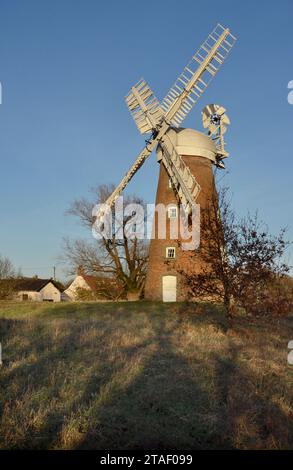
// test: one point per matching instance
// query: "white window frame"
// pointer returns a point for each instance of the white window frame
(167, 252)
(170, 209)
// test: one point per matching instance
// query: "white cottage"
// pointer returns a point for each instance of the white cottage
(38, 290)
(81, 281)
(98, 287)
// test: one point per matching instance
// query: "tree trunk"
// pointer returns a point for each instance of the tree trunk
(229, 306)
(133, 295)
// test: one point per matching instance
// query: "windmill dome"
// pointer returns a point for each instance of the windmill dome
(189, 140)
(192, 142)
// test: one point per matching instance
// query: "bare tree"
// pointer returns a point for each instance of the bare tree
(122, 258)
(240, 257)
(7, 275)
(7, 269)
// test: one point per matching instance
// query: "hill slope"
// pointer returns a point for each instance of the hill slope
(142, 375)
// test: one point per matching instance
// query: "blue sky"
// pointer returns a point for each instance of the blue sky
(65, 67)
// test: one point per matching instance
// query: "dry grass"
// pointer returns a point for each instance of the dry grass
(143, 375)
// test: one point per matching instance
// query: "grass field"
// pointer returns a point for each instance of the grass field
(143, 375)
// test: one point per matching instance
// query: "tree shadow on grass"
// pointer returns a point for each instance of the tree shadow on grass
(34, 377)
(6, 326)
(148, 395)
(250, 411)
(171, 405)
(165, 407)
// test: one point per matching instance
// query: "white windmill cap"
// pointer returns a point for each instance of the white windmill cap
(193, 143)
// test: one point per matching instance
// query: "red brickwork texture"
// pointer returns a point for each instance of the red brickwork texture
(158, 264)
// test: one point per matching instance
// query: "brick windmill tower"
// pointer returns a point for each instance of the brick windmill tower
(198, 152)
(186, 156)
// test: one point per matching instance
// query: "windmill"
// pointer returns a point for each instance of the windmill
(162, 121)
(152, 117)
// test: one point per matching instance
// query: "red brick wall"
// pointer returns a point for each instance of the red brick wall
(203, 171)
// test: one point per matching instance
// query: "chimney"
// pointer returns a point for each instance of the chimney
(80, 271)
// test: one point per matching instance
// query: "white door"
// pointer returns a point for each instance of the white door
(169, 288)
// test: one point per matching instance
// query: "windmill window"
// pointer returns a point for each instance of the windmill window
(170, 183)
(170, 252)
(172, 212)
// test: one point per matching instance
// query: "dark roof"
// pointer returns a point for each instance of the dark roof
(95, 282)
(92, 281)
(29, 284)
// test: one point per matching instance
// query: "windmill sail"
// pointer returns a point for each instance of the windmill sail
(197, 75)
(183, 181)
(144, 107)
(150, 115)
